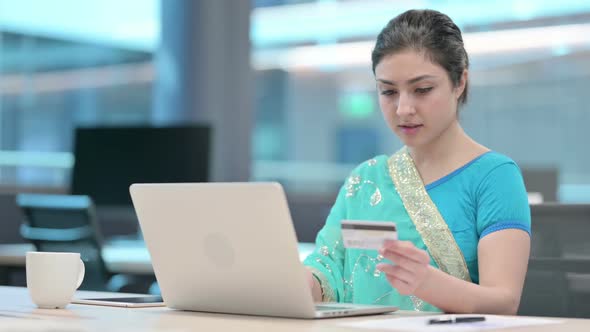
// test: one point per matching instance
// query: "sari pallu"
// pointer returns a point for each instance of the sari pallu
(382, 189)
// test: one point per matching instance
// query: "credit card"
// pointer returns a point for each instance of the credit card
(365, 234)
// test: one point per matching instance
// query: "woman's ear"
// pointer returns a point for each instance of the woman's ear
(462, 83)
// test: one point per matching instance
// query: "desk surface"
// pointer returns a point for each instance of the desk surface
(120, 256)
(17, 311)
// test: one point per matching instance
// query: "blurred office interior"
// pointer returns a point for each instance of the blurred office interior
(286, 87)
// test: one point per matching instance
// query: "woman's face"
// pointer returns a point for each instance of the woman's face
(417, 97)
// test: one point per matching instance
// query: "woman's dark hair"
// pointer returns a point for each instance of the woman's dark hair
(428, 31)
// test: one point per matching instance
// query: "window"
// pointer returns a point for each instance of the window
(530, 64)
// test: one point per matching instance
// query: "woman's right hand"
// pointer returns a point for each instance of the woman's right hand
(310, 278)
(314, 286)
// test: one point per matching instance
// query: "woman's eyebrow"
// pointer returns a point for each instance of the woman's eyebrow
(410, 81)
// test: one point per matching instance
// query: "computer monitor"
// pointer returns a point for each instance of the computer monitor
(109, 159)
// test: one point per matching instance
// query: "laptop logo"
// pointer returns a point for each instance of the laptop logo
(219, 250)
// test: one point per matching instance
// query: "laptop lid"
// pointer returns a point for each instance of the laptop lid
(224, 247)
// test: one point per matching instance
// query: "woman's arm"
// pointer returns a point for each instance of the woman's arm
(326, 262)
(503, 259)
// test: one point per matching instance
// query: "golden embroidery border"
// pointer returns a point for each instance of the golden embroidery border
(457, 267)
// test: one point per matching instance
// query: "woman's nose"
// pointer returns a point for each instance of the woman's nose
(405, 106)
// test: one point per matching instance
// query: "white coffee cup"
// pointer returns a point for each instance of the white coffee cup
(53, 277)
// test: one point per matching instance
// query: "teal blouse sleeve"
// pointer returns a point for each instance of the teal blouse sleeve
(502, 201)
(328, 258)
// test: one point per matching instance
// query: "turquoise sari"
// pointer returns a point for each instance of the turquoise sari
(382, 189)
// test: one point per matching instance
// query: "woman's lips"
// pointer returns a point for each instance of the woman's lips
(410, 129)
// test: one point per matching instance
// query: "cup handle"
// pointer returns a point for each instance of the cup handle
(81, 274)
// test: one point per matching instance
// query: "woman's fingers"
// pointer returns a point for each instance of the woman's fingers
(406, 282)
(403, 261)
(396, 272)
(410, 265)
(402, 287)
(406, 249)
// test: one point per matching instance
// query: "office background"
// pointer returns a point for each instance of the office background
(286, 89)
(297, 102)
(285, 85)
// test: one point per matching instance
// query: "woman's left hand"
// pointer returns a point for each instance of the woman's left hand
(411, 269)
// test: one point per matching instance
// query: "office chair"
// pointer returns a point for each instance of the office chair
(309, 213)
(11, 220)
(67, 223)
(558, 277)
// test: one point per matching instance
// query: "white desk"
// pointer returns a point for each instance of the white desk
(120, 256)
(17, 312)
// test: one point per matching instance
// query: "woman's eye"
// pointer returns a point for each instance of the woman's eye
(388, 92)
(423, 90)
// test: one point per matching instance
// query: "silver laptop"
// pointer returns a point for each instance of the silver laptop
(229, 248)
